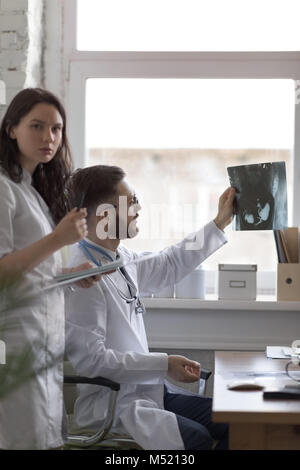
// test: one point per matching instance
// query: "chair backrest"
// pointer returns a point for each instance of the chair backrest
(70, 392)
(202, 387)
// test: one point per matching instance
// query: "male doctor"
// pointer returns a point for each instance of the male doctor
(105, 332)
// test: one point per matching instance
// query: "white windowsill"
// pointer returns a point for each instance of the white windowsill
(213, 324)
(263, 302)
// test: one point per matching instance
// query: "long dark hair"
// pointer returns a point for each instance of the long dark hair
(49, 179)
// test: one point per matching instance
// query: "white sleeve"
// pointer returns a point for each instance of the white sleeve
(7, 213)
(177, 261)
(86, 344)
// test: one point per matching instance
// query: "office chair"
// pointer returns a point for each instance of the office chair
(103, 438)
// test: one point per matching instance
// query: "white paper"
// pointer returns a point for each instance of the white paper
(278, 352)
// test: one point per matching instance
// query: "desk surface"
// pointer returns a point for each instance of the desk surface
(249, 406)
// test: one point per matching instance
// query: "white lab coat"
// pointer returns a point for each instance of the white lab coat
(104, 336)
(31, 415)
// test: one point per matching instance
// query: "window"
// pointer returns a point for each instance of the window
(175, 139)
(178, 113)
(188, 25)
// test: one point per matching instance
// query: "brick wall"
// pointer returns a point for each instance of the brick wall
(21, 46)
(54, 63)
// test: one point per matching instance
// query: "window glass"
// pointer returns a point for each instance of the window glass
(176, 137)
(188, 25)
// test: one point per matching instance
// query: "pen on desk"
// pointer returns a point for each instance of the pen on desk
(80, 202)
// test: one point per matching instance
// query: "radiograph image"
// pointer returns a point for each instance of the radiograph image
(261, 196)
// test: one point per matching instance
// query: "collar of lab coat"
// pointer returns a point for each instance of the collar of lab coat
(111, 253)
(27, 178)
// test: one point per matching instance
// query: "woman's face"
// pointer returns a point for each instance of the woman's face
(38, 135)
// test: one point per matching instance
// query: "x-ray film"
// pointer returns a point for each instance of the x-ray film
(261, 196)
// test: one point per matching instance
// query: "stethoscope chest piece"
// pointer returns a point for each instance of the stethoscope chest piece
(140, 307)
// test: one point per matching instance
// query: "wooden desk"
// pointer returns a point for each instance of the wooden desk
(255, 423)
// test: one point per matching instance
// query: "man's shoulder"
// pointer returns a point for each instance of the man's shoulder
(126, 253)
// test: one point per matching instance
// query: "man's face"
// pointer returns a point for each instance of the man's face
(127, 209)
(117, 218)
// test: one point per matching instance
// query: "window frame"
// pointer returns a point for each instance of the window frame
(82, 65)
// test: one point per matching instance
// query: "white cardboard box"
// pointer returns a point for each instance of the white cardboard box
(237, 281)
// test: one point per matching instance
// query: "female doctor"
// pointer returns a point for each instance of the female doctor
(105, 333)
(35, 224)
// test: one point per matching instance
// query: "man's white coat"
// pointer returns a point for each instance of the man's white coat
(105, 337)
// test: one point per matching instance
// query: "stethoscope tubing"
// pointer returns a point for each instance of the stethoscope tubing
(128, 300)
(84, 245)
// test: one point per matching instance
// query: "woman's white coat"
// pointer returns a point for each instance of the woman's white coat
(31, 415)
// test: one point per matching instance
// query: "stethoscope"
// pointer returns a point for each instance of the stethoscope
(84, 245)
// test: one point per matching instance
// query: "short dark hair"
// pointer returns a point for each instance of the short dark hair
(49, 179)
(98, 183)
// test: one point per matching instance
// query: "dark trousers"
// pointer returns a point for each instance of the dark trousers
(193, 414)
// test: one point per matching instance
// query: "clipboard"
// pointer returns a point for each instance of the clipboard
(69, 278)
(63, 280)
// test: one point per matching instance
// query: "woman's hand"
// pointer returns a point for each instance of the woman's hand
(71, 228)
(87, 282)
